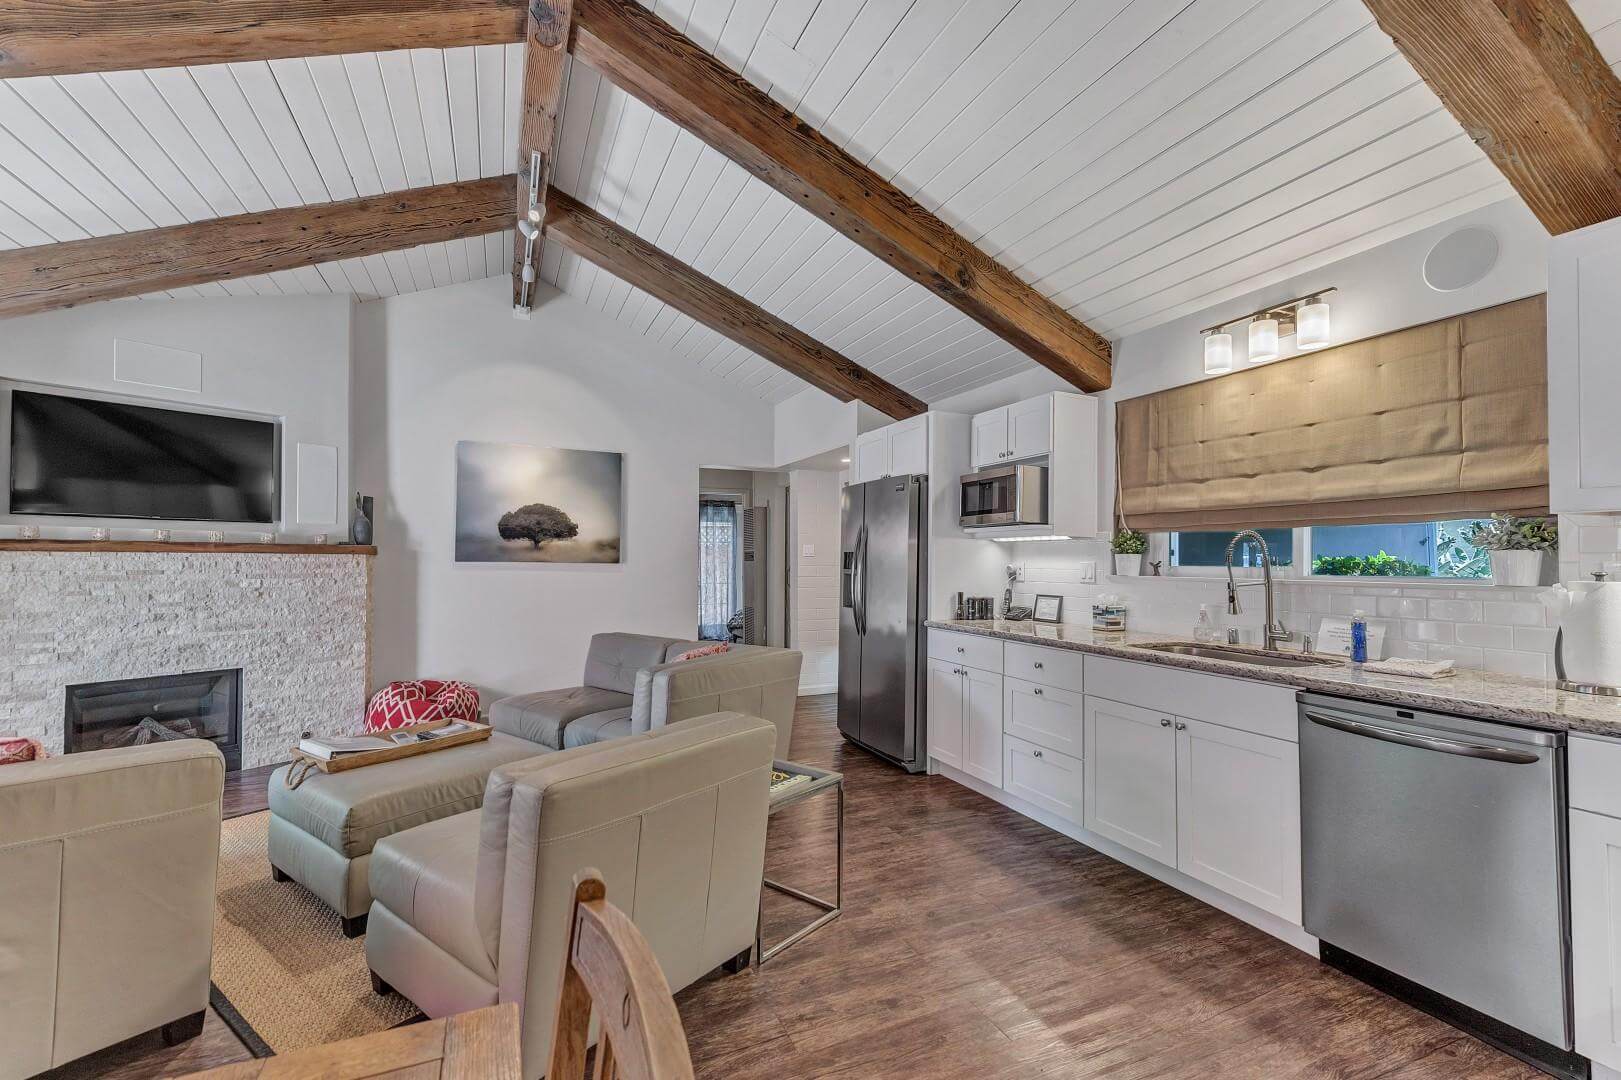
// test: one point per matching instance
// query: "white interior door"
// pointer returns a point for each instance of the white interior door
(1238, 814)
(945, 712)
(1131, 777)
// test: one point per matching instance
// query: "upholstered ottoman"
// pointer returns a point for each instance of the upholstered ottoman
(322, 832)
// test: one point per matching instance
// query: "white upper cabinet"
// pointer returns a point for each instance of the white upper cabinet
(1015, 432)
(1584, 369)
(990, 438)
(898, 449)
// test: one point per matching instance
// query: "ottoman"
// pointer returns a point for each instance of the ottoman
(322, 832)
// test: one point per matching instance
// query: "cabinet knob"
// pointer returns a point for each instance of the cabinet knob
(1180, 726)
(961, 649)
(1164, 722)
(1038, 691)
(1038, 665)
(1036, 754)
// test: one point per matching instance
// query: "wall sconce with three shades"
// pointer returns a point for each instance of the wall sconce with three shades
(1306, 317)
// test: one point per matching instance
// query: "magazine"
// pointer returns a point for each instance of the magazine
(339, 746)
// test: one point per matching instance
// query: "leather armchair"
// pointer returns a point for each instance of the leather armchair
(753, 679)
(107, 869)
(473, 910)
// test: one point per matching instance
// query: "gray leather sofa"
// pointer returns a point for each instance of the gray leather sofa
(107, 869)
(322, 832)
(473, 910)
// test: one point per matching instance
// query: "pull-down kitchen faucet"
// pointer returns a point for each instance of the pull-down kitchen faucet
(1273, 631)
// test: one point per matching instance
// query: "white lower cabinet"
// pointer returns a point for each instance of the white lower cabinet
(1595, 930)
(1238, 814)
(945, 712)
(1044, 715)
(1043, 777)
(1131, 777)
(982, 725)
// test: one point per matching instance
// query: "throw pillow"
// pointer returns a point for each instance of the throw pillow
(704, 650)
(15, 749)
(419, 701)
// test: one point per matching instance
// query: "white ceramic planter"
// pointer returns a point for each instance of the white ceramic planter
(1128, 565)
(1521, 568)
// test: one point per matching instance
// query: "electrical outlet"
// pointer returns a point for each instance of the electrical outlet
(1018, 572)
(1088, 572)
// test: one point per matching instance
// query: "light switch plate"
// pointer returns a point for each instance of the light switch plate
(1088, 571)
(807, 551)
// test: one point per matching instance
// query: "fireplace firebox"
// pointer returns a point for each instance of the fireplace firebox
(132, 712)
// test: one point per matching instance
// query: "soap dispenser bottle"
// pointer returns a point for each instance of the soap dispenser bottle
(1205, 628)
(1359, 637)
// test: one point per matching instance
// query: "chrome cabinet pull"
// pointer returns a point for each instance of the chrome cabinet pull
(961, 649)
(1165, 721)
(1038, 691)
(1180, 726)
(1038, 665)
(1425, 742)
(1036, 754)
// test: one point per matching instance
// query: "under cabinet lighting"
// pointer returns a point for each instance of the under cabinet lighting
(1264, 338)
(1218, 353)
(1311, 324)
(1025, 539)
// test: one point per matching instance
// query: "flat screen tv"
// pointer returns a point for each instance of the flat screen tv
(79, 457)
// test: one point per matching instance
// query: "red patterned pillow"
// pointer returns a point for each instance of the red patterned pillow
(15, 749)
(400, 704)
(703, 650)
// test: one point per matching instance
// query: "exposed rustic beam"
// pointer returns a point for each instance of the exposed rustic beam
(1529, 86)
(545, 58)
(647, 58)
(59, 37)
(129, 264)
(623, 253)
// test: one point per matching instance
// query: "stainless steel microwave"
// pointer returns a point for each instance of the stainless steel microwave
(1006, 495)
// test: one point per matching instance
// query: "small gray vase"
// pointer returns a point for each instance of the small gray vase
(360, 521)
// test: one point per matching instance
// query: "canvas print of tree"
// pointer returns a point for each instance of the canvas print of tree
(528, 504)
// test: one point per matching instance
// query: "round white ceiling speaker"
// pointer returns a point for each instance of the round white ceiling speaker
(1460, 259)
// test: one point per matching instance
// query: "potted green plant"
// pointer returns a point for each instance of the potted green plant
(1128, 546)
(1517, 547)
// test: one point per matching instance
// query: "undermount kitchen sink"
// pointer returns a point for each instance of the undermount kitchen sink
(1241, 655)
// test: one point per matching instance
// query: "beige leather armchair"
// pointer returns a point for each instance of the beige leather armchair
(473, 909)
(107, 866)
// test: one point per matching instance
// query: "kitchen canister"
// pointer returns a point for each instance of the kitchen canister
(1587, 651)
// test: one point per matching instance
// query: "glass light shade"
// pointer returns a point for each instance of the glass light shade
(1263, 340)
(1311, 325)
(1218, 353)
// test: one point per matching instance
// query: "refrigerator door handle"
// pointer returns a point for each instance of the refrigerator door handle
(861, 582)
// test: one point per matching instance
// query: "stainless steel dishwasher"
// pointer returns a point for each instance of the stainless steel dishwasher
(1434, 852)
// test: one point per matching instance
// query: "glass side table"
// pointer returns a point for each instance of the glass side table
(821, 780)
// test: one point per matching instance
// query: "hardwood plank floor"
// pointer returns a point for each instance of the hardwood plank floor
(977, 943)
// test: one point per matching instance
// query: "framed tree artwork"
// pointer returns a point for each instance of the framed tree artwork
(529, 504)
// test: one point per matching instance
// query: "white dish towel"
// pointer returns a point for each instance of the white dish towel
(1413, 669)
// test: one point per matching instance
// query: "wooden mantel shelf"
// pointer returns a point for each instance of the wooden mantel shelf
(188, 547)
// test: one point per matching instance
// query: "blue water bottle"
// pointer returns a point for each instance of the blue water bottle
(1359, 637)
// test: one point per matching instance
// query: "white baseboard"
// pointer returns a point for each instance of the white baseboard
(818, 688)
(1264, 921)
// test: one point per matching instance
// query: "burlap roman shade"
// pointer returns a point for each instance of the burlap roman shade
(1443, 420)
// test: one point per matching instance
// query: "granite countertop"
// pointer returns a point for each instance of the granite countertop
(1483, 695)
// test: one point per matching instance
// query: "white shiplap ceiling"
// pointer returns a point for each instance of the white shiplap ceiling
(1135, 159)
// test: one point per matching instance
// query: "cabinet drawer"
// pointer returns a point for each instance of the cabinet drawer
(1595, 775)
(1039, 664)
(1045, 715)
(1042, 777)
(1257, 707)
(970, 650)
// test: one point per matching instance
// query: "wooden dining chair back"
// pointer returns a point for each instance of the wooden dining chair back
(611, 969)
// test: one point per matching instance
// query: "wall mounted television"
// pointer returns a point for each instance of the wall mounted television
(82, 457)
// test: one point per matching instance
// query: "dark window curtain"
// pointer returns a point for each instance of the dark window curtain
(718, 537)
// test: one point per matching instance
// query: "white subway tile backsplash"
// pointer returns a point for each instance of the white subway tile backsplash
(1455, 610)
(1534, 638)
(1485, 635)
(1598, 539)
(1513, 613)
(1427, 630)
(1401, 607)
(1531, 665)
(1463, 656)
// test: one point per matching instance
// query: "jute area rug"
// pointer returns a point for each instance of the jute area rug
(280, 959)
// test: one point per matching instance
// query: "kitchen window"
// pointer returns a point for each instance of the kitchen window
(1419, 549)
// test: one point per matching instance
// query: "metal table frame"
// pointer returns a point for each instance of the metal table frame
(822, 780)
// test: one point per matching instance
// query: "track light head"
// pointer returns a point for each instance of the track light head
(529, 229)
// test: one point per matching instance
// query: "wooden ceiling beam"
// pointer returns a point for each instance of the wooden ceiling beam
(647, 58)
(61, 37)
(626, 255)
(1527, 83)
(130, 264)
(545, 60)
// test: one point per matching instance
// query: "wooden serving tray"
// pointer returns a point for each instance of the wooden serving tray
(346, 762)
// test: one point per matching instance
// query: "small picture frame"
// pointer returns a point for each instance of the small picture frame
(1048, 609)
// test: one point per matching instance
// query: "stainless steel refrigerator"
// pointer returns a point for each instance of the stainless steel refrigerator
(883, 597)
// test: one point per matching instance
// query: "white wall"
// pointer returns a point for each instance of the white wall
(453, 364)
(276, 357)
(816, 513)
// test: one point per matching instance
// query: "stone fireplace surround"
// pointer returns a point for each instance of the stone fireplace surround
(296, 621)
